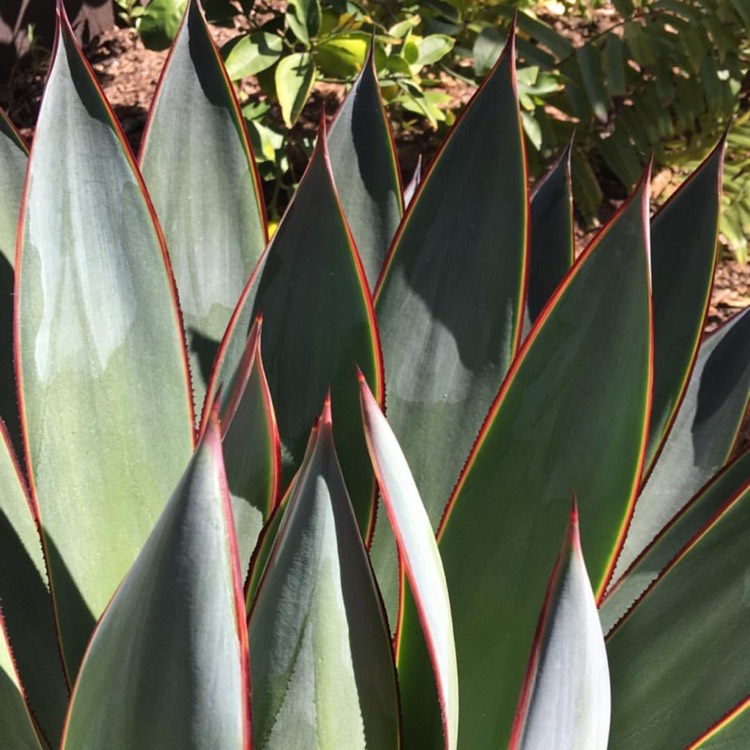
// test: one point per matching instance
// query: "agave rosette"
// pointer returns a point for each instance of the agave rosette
(193, 551)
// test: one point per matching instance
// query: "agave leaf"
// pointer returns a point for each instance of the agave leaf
(701, 437)
(270, 531)
(730, 483)
(449, 303)
(16, 724)
(318, 326)
(363, 162)
(100, 350)
(201, 175)
(684, 250)
(420, 560)
(167, 666)
(26, 601)
(323, 674)
(250, 441)
(732, 731)
(584, 368)
(416, 178)
(687, 632)
(14, 156)
(13, 161)
(551, 247)
(565, 699)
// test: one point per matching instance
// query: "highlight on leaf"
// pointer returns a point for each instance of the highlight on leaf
(565, 699)
(323, 673)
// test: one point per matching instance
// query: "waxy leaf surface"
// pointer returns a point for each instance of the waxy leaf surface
(683, 257)
(551, 246)
(323, 674)
(688, 633)
(420, 560)
(565, 700)
(26, 601)
(250, 442)
(13, 161)
(16, 724)
(267, 538)
(584, 368)
(318, 326)
(731, 482)
(199, 169)
(364, 168)
(702, 436)
(449, 303)
(101, 363)
(167, 666)
(732, 733)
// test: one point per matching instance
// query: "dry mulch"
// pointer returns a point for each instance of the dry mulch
(129, 73)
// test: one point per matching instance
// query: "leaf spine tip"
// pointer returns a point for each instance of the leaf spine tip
(325, 417)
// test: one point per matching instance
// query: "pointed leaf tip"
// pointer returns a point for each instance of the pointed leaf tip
(573, 523)
(420, 561)
(189, 557)
(333, 665)
(326, 418)
(565, 699)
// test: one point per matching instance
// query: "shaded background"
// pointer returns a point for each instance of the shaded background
(89, 18)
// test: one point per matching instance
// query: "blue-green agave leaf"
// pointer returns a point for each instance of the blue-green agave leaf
(420, 561)
(732, 481)
(13, 161)
(565, 700)
(702, 435)
(320, 653)
(318, 325)
(684, 247)
(363, 162)
(16, 723)
(450, 301)
(688, 634)
(551, 247)
(250, 441)
(200, 172)
(26, 602)
(732, 732)
(585, 366)
(167, 666)
(102, 369)
(14, 156)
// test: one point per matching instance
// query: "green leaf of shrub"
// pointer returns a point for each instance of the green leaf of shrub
(294, 77)
(160, 21)
(303, 17)
(251, 54)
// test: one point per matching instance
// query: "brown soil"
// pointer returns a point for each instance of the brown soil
(129, 73)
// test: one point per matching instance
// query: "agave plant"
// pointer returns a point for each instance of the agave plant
(190, 550)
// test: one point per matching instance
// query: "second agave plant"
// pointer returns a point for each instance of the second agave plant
(336, 490)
